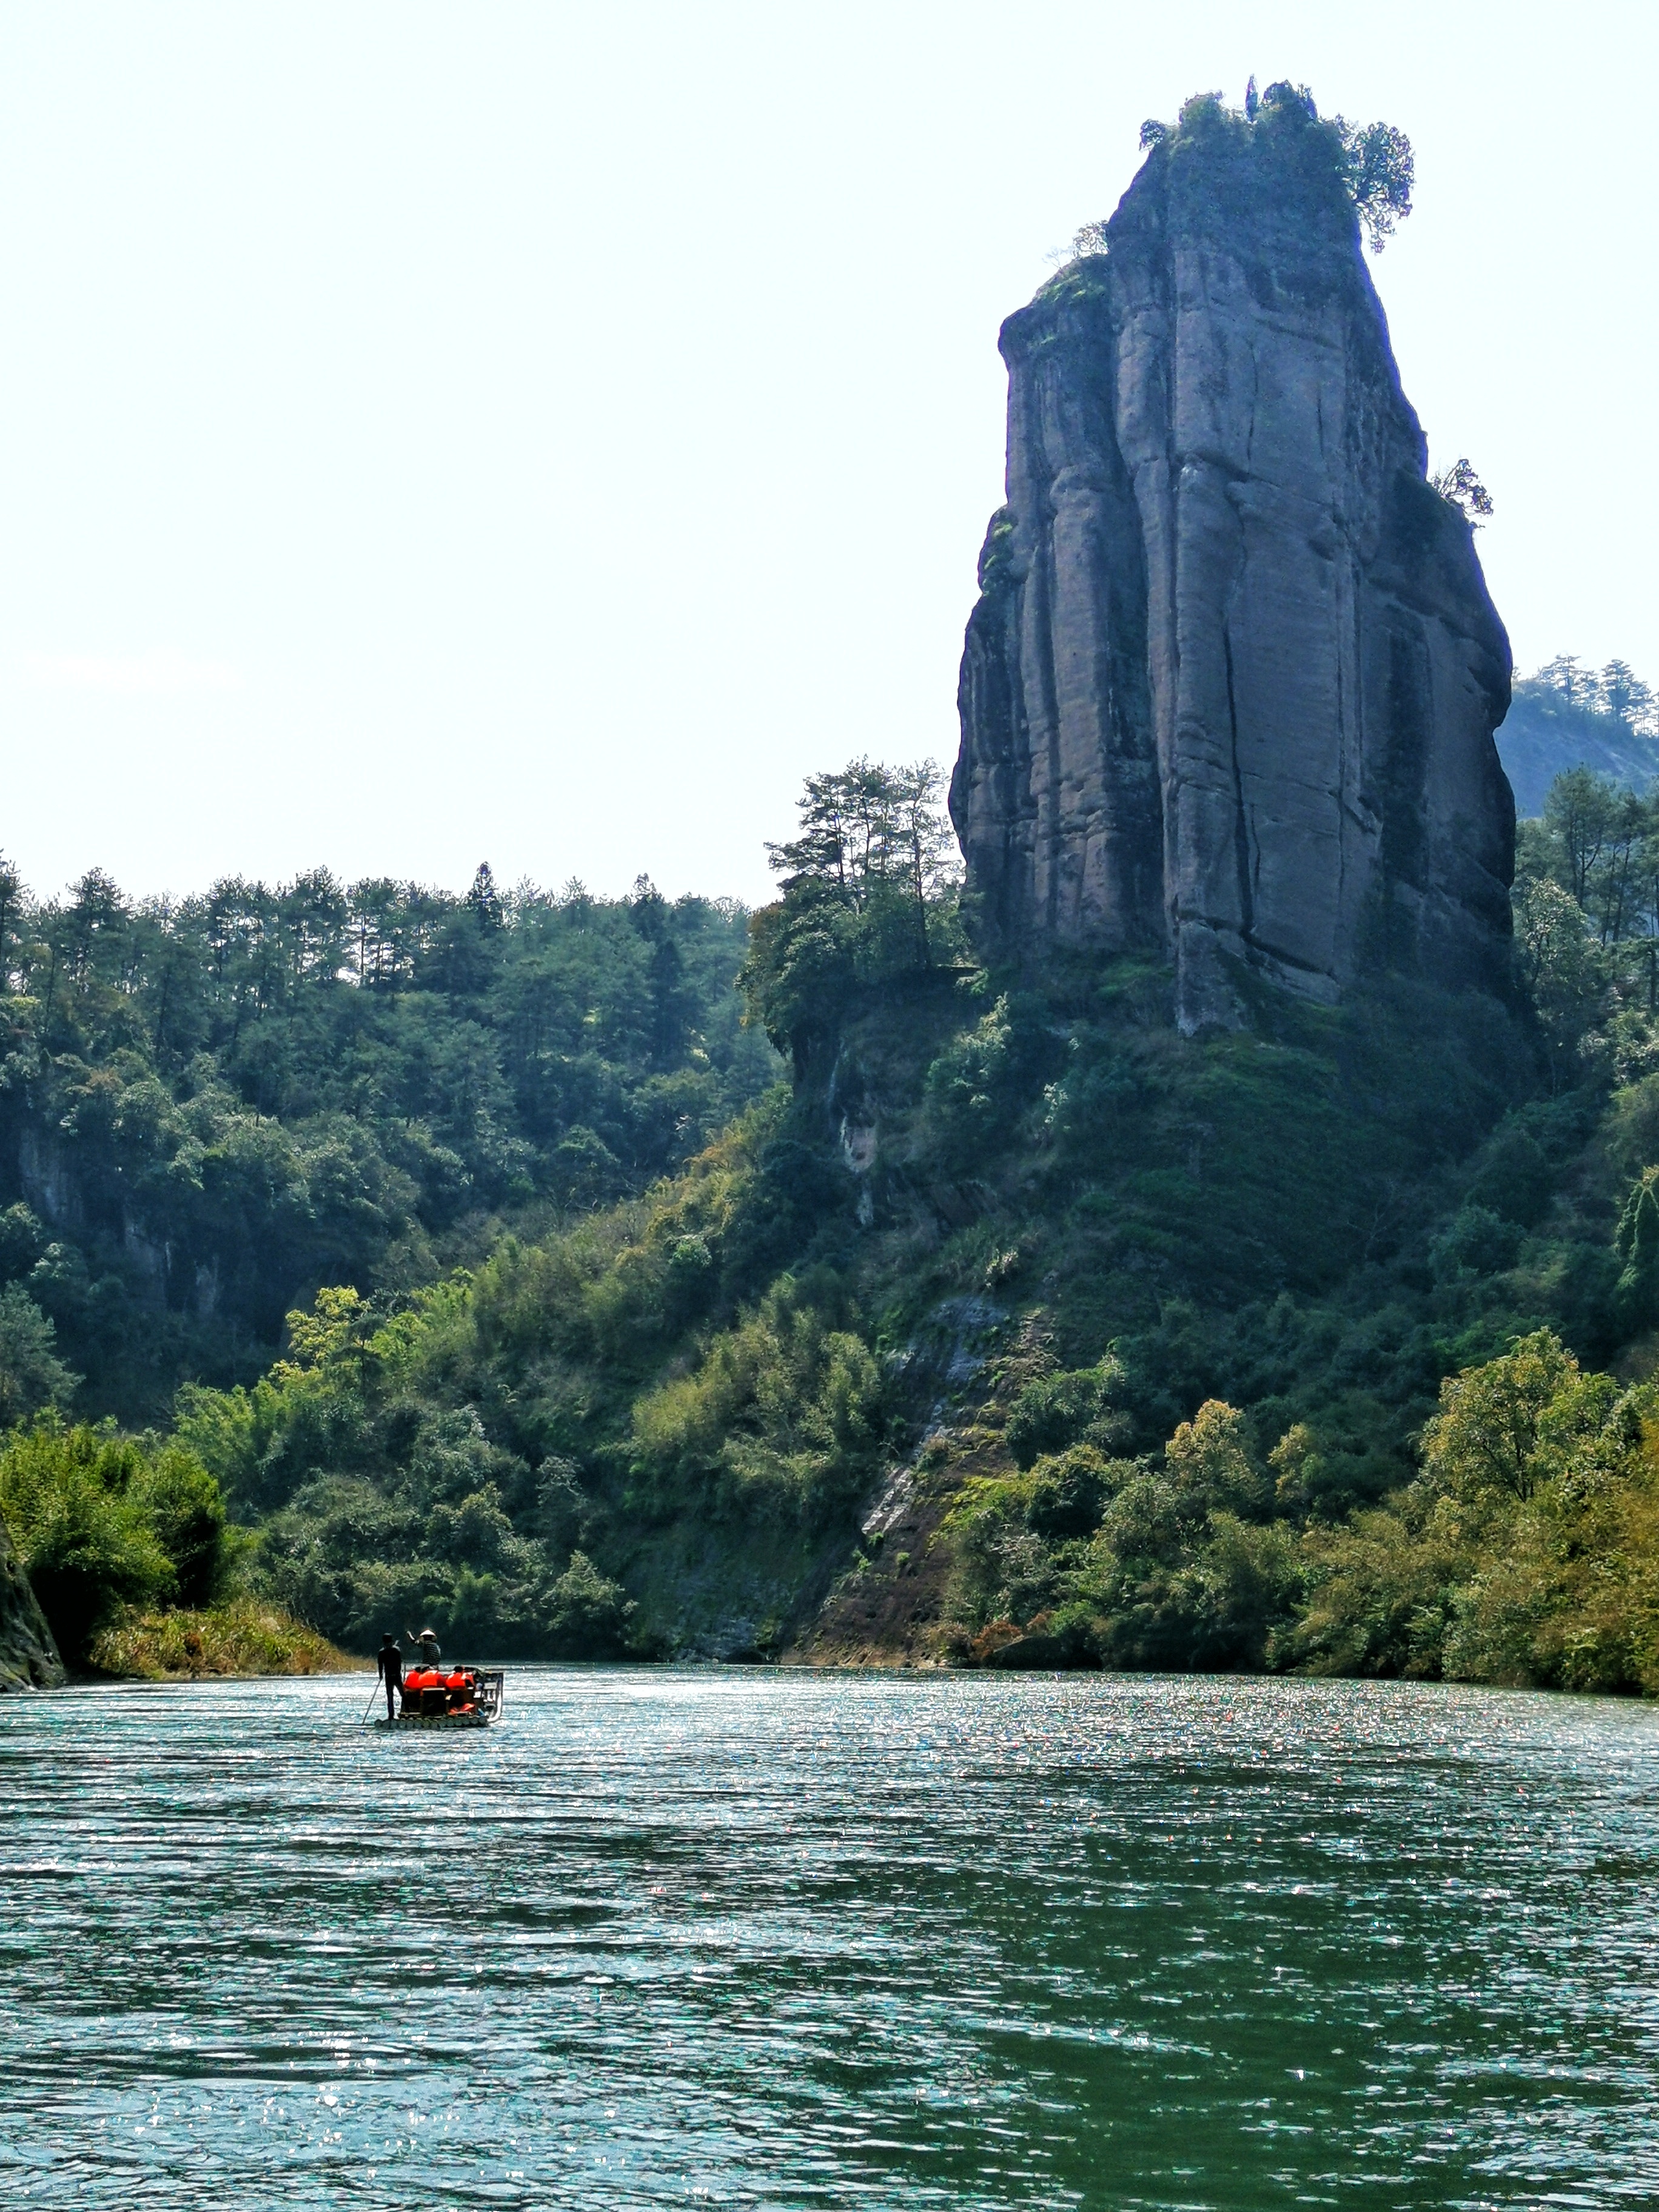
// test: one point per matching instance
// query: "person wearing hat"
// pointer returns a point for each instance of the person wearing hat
(427, 1653)
(389, 1665)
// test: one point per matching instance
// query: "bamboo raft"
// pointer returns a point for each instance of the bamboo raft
(457, 1697)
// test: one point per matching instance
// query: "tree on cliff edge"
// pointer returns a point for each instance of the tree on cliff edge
(873, 837)
(1374, 160)
(870, 886)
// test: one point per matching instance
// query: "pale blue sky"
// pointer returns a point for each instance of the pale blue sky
(544, 433)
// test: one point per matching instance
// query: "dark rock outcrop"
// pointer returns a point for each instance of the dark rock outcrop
(1229, 689)
(28, 1657)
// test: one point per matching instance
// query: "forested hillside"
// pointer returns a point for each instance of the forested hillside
(210, 1108)
(1568, 716)
(1017, 1329)
(990, 1261)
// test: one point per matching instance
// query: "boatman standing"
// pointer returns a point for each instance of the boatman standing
(389, 1664)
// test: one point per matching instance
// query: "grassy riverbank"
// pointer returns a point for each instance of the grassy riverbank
(244, 1638)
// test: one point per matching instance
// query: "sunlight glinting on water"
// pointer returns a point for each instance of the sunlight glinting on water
(761, 1939)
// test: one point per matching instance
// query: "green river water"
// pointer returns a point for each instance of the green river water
(745, 1937)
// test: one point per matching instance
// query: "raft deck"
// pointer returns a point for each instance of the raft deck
(487, 1696)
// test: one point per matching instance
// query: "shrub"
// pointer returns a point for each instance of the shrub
(1209, 1464)
(1478, 1242)
(1177, 1592)
(782, 1419)
(352, 1561)
(1526, 1552)
(1514, 1177)
(979, 1084)
(241, 1638)
(1631, 1131)
(1054, 1411)
(1378, 1595)
(101, 1521)
(1067, 1492)
(1636, 1241)
(587, 1615)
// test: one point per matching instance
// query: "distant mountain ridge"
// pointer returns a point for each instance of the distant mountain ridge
(1569, 716)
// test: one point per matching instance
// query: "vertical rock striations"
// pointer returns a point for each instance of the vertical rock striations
(1230, 689)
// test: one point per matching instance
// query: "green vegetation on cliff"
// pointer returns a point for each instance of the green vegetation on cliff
(101, 1521)
(1527, 1550)
(128, 1552)
(1365, 170)
(209, 1109)
(1018, 1330)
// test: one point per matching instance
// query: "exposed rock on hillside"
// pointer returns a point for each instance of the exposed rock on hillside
(28, 1657)
(1230, 689)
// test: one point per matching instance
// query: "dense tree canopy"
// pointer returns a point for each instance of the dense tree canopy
(100, 1520)
(1566, 691)
(870, 894)
(1587, 913)
(210, 1106)
(1287, 1348)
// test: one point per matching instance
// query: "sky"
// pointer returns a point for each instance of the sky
(545, 433)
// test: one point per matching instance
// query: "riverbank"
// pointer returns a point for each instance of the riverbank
(242, 1638)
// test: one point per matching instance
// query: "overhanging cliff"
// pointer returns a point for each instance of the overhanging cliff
(1230, 689)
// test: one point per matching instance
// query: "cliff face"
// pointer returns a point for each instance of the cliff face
(28, 1657)
(1230, 689)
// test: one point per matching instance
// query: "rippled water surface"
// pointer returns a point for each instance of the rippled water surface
(777, 1939)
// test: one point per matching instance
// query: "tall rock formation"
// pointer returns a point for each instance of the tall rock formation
(1230, 689)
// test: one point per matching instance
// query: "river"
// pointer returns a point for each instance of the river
(753, 1938)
